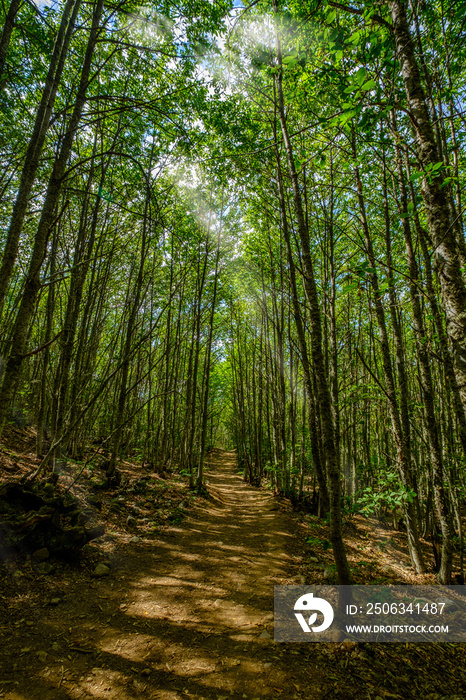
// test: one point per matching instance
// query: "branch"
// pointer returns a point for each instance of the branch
(373, 375)
(38, 350)
(354, 11)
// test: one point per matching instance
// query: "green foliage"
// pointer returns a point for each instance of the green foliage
(318, 542)
(386, 494)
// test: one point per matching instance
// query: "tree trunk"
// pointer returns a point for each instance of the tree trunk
(446, 251)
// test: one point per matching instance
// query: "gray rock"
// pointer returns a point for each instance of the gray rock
(41, 554)
(135, 539)
(101, 570)
(330, 575)
(450, 605)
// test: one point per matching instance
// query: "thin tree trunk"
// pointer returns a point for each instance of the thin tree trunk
(6, 34)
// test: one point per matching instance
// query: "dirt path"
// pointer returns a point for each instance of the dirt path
(189, 615)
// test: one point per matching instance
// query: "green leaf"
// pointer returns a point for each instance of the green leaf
(369, 85)
(349, 287)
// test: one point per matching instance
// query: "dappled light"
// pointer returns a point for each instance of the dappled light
(232, 348)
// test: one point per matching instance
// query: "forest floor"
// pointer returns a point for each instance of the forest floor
(186, 610)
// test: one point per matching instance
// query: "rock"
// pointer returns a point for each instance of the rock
(98, 484)
(135, 539)
(48, 490)
(449, 605)
(94, 501)
(101, 570)
(349, 644)
(41, 554)
(108, 537)
(333, 636)
(264, 635)
(130, 521)
(44, 568)
(330, 575)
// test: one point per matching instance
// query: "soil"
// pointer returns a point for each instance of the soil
(186, 610)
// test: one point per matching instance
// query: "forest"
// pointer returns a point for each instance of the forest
(231, 226)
